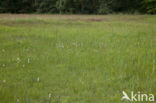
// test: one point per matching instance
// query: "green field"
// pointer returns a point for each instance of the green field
(76, 58)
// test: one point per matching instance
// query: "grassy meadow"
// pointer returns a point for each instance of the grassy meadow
(76, 58)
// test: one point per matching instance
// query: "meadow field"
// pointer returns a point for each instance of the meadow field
(76, 58)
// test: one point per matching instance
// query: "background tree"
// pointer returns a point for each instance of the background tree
(105, 6)
(149, 6)
(46, 6)
(78, 6)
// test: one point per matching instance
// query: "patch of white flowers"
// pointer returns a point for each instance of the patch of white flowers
(59, 45)
(76, 44)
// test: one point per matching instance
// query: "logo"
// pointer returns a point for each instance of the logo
(140, 97)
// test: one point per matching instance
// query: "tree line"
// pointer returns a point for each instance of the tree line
(78, 6)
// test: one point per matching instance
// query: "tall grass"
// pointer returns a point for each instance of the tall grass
(76, 60)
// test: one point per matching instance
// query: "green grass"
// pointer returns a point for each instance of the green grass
(77, 59)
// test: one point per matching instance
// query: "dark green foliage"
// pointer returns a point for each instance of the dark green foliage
(78, 6)
(105, 6)
(46, 6)
(17, 6)
(149, 6)
(129, 6)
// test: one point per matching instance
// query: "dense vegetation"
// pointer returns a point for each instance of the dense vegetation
(78, 6)
(76, 59)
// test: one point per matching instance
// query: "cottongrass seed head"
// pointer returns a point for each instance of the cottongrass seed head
(3, 50)
(23, 65)
(49, 95)
(28, 60)
(17, 100)
(18, 60)
(38, 79)
(3, 65)
(4, 81)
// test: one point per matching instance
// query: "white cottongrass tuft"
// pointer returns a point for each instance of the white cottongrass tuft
(4, 81)
(49, 95)
(38, 79)
(17, 100)
(18, 60)
(75, 44)
(28, 60)
(3, 50)
(59, 45)
(3, 65)
(23, 65)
